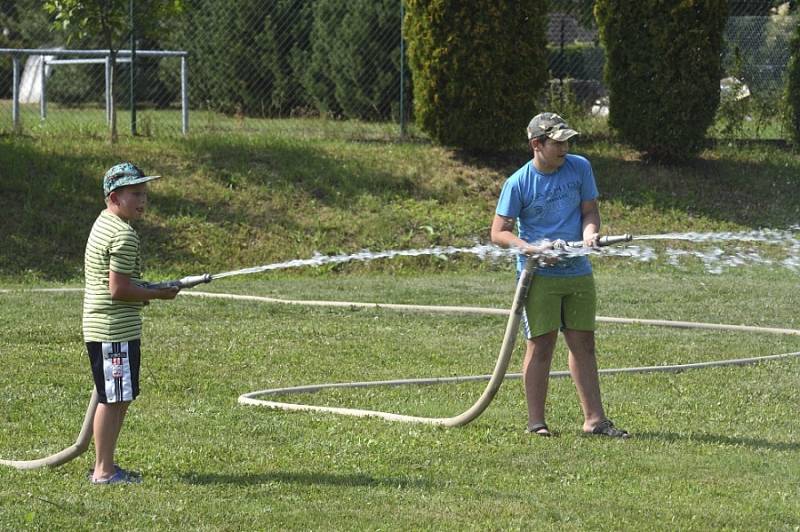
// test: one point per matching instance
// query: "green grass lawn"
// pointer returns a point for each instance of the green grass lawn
(712, 449)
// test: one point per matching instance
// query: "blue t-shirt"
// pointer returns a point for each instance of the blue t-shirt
(548, 207)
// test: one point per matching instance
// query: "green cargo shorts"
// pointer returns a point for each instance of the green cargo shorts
(560, 303)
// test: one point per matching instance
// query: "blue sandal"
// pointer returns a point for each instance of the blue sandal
(120, 476)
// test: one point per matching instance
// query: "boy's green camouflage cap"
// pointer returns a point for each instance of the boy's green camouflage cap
(550, 125)
(123, 175)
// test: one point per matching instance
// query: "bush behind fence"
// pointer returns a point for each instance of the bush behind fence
(328, 58)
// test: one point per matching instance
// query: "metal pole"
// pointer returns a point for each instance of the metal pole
(133, 71)
(561, 64)
(184, 96)
(15, 91)
(108, 90)
(402, 73)
(43, 89)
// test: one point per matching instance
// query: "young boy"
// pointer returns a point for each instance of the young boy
(112, 304)
(554, 197)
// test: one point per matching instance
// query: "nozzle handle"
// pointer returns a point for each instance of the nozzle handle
(185, 282)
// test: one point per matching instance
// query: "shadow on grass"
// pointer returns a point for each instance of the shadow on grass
(752, 184)
(718, 439)
(300, 166)
(48, 205)
(754, 189)
(49, 201)
(306, 479)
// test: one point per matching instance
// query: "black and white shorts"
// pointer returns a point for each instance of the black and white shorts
(115, 368)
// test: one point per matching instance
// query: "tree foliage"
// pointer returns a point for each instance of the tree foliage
(233, 52)
(290, 57)
(662, 71)
(110, 21)
(23, 24)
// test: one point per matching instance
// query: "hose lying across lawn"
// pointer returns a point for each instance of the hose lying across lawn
(495, 379)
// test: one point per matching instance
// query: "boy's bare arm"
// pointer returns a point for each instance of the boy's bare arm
(122, 289)
(503, 235)
(590, 220)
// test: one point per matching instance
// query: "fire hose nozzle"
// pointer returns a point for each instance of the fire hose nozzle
(185, 282)
(615, 239)
(602, 241)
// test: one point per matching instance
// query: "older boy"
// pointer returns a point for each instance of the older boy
(112, 304)
(554, 197)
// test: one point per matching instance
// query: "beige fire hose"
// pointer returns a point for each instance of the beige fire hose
(507, 347)
(495, 379)
(520, 297)
(73, 451)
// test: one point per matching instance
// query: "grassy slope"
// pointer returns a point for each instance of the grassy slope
(256, 196)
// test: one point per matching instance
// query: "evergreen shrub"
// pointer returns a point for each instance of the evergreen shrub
(662, 71)
(479, 67)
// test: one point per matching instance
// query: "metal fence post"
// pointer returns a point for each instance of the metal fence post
(184, 96)
(108, 90)
(15, 93)
(133, 72)
(43, 88)
(402, 73)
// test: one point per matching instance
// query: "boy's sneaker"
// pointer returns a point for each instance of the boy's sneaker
(120, 476)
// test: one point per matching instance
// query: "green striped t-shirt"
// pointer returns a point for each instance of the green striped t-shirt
(112, 245)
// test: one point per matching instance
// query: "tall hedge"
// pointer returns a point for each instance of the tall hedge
(793, 89)
(478, 66)
(290, 23)
(662, 71)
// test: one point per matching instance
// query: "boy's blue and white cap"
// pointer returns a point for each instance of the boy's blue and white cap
(123, 175)
(550, 125)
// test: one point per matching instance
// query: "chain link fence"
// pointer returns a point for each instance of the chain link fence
(321, 67)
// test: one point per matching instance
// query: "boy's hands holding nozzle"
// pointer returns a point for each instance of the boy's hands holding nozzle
(166, 293)
(544, 251)
(592, 240)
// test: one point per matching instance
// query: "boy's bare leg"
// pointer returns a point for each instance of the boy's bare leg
(107, 425)
(536, 374)
(583, 368)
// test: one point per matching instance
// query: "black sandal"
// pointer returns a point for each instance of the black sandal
(607, 428)
(534, 429)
